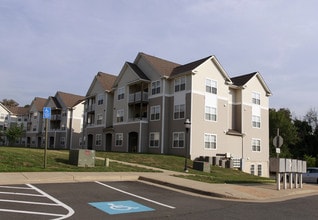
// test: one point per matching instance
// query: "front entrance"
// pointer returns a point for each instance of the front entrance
(90, 138)
(108, 142)
(133, 142)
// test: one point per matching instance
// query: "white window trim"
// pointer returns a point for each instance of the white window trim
(205, 113)
(116, 138)
(256, 98)
(179, 112)
(212, 81)
(177, 83)
(98, 138)
(154, 133)
(260, 145)
(154, 110)
(210, 135)
(173, 133)
(155, 86)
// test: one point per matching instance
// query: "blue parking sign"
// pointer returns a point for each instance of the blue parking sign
(47, 113)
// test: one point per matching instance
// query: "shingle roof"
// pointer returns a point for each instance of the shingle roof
(68, 99)
(138, 71)
(106, 80)
(243, 79)
(163, 67)
(188, 67)
(39, 103)
(17, 110)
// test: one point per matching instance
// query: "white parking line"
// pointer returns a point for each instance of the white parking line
(40, 193)
(134, 195)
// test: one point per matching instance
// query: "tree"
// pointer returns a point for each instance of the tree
(9, 103)
(311, 118)
(282, 119)
(14, 133)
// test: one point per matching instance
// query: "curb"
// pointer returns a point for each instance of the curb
(185, 188)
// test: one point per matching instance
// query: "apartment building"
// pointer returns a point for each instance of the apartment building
(99, 112)
(34, 134)
(153, 97)
(66, 123)
(13, 116)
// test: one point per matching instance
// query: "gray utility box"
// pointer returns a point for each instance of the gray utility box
(202, 166)
(82, 158)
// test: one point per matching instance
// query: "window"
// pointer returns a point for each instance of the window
(119, 139)
(121, 93)
(253, 169)
(155, 113)
(99, 119)
(155, 87)
(210, 113)
(100, 99)
(154, 139)
(209, 141)
(259, 170)
(120, 115)
(62, 141)
(256, 98)
(178, 140)
(179, 84)
(211, 86)
(98, 141)
(256, 121)
(256, 145)
(179, 111)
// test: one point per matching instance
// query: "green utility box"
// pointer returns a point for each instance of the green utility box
(82, 158)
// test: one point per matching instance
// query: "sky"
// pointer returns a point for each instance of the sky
(60, 45)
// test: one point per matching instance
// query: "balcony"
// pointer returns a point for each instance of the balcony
(55, 117)
(90, 108)
(138, 97)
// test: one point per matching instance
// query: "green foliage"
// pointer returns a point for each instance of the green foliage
(282, 119)
(311, 161)
(14, 133)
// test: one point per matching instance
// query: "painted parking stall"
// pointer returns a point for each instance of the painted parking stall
(28, 201)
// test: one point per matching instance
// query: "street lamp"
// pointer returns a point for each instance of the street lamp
(187, 125)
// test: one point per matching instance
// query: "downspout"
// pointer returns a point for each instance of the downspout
(70, 130)
(105, 116)
(190, 132)
(163, 116)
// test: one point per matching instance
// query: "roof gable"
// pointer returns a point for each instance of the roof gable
(242, 80)
(68, 99)
(161, 66)
(105, 80)
(135, 69)
(38, 103)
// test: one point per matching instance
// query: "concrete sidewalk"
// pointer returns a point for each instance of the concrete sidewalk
(246, 192)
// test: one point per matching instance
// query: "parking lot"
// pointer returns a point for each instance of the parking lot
(91, 200)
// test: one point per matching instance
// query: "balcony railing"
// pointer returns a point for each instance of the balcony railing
(138, 97)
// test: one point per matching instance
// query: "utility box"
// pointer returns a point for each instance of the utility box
(82, 158)
(202, 166)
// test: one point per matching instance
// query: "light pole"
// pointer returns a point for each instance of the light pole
(187, 125)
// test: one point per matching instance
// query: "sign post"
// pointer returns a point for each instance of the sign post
(278, 142)
(46, 116)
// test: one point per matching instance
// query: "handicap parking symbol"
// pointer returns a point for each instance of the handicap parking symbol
(120, 207)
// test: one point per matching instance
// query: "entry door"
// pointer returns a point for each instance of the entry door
(133, 142)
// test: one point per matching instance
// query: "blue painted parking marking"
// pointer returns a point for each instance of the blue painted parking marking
(120, 207)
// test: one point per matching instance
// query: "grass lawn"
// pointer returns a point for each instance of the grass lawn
(32, 160)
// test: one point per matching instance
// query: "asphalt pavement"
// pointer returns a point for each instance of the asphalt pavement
(247, 192)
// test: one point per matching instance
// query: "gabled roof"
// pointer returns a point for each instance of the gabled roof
(243, 79)
(39, 103)
(17, 110)
(163, 67)
(106, 80)
(188, 67)
(69, 99)
(138, 71)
